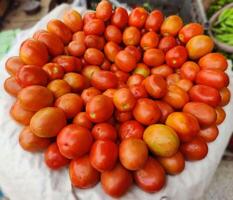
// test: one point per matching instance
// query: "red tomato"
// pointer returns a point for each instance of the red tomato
(120, 18)
(189, 70)
(162, 70)
(173, 79)
(165, 110)
(171, 25)
(76, 48)
(111, 49)
(104, 10)
(73, 20)
(149, 40)
(142, 69)
(104, 131)
(153, 57)
(135, 52)
(122, 76)
(123, 116)
(154, 20)
(94, 27)
(89, 93)
(221, 115)
(135, 79)
(89, 70)
(209, 133)
(131, 129)
(59, 87)
(94, 56)
(125, 61)
(106, 65)
(185, 84)
(89, 16)
(69, 63)
(79, 37)
(112, 33)
(138, 91)
(109, 92)
(13, 64)
(81, 119)
(131, 36)
(54, 71)
(138, 17)
(225, 96)
(76, 81)
(11, 86)
(94, 41)
(166, 43)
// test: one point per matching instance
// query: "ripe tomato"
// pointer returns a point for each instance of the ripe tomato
(131, 129)
(104, 10)
(89, 70)
(32, 143)
(53, 158)
(35, 97)
(76, 81)
(82, 174)
(89, 16)
(69, 63)
(185, 84)
(142, 69)
(94, 27)
(176, 56)
(120, 18)
(135, 79)
(104, 131)
(151, 177)
(133, 153)
(94, 56)
(134, 51)
(199, 46)
(89, 93)
(76, 48)
(162, 70)
(13, 64)
(205, 94)
(109, 92)
(42, 123)
(153, 57)
(196, 149)
(146, 112)
(209, 133)
(213, 61)
(117, 181)
(165, 110)
(11, 86)
(125, 61)
(94, 41)
(185, 124)
(54, 71)
(173, 79)
(149, 40)
(112, 33)
(154, 20)
(166, 43)
(79, 37)
(225, 96)
(81, 119)
(121, 76)
(173, 165)
(138, 17)
(171, 25)
(106, 65)
(33, 52)
(103, 155)
(59, 87)
(19, 114)
(189, 70)
(74, 141)
(123, 116)
(73, 20)
(99, 108)
(189, 31)
(131, 36)
(111, 49)
(221, 115)
(138, 91)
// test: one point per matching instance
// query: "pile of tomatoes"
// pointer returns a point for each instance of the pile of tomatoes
(118, 97)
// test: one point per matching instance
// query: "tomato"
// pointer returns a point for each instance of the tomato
(112, 33)
(70, 103)
(154, 20)
(104, 80)
(76, 81)
(54, 71)
(138, 17)
(33, 52)
(122, 76)
(133, 153)
(81, 119)
(138, 91)
(42, 122)
(146, 112)
(120, 18)
(199, 46)
(30, 142)
(106, 65)
(35, 97)
(74, 141)
(225, 96)
(122, 84)
(117, 181)
(135, 79)
(204, 113)
(104, 10)
(109, 92)
(196, 149)
(103, 155)
(205, 94)
(89, 93)
(11, 86)
(104, 131)
(171, 25)
(94, 27)
(19, 114)
(173, 165)
(221, 115)
(189, 31)
(53, 43)
(176, 97)
(111, 49)
(131, 129)
(69, 63)
(189, 70)
(185, 124)
(156, 86)
(185, 84)
(54, 159)
(76, 48)
(165, 110)
(94, 41)
(13, 64)
(79, 37)
(125, 61)
(149, 40)
(153, 57)
(94, 56)
(59, 87)
(212, 78)
(123, 116)
(58, 28)
(162, 70)
(213, 61)
(166, 43)
(173, 79)
(89, 16)
(161, 140)
(73, 20)
(151, 177)
(131, 36)
(142, 69)
(134, 51)
(176, 56)
(31, 75)
(209, 133)
(89, 70)
(99, 108)
(82, 174)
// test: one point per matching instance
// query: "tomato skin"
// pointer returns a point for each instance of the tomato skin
(142, 69)
(104, 80)
(131, 129)
(225, 96)
(59, 87)
(131, 36)
(54, 71)
(94, 56)
(74, 141)
(94, 27)
(80, 179)
(221, 115)
(166, 43)
(76, 81)
(212, 78)
(138, 91)
(89, 70)
(133, 153)
(11, 86)
(112, 33)
(103, 155)
(189, 31)
(106, 65)
(89, 93)
(138, 17)
(162, 70)
(151, 177)
(176, 56)
(135, 79)
(165, 110)
(122, 76)
(99, 108)
(149, 40)
(94, 41)
(123, 116)
(54, 159)
(104, 10)
(205, 94)
(189, 70)
(196, 149)
(111, 49)
(209, 133)
(73, 20)
(173, 79)
(185, 125)
(125, 61)
(13, 64)
(185, 84)
(120, 18)
(79, 36)
(104, 131)
(134, 51)
(153, 57)
(81, 119)
(213, 61)
(171, 25)
(154, 20)
(76, 49)
(89, 16)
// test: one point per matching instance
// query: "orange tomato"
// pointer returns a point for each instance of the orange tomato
(13, 64)
(76, 48)
(171, 25)
(221, 115)
(54, 71)
(149, 40)
(11, 86)
(59, 87)
(89, 93)
(104, 10)
(112, 33)
(154, 20)
(111, 49)
(138, 17)
(131, 36)
(209, 133)
(94, 56)
(162, 70)
(81, 119)
(225, 96)
(153, 57)
(73, 20)
(125, 61)
(189, 70)
(120, 18)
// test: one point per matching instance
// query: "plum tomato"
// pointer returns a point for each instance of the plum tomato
(104, 131)
(81, 119)
(121, 76)
(106, 65)
(138, 17)
(154, 20)
(162, 70)
(93, 56)
(12, 86)
(221, 115)
(59, 87)
(153, 57)
(79, 37)
(112, 33)
(131, 129)
(149, 40)
(120, 18)
(131, 36)
(189, 70)
(173, 79)
(165, 109)
(54, 71)
(123, 116)
(125, 61)
(76, 81)
(134, 51)
(94, 41)
(209, 133)
(13, 64)
(89, 93)
(74, 141)
(142, 69)
(94, 27)
(89, 16)
(166, 43)
(73, 20)
(138, 91)
(171, 25)
(185, 84)
(111, 49)
(69, 63)
(89, 70)
(135, 79)
(109, 92)
(76, 48)
(104, 10)
(225, 96)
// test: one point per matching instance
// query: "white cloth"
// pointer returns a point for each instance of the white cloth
(24, 176)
